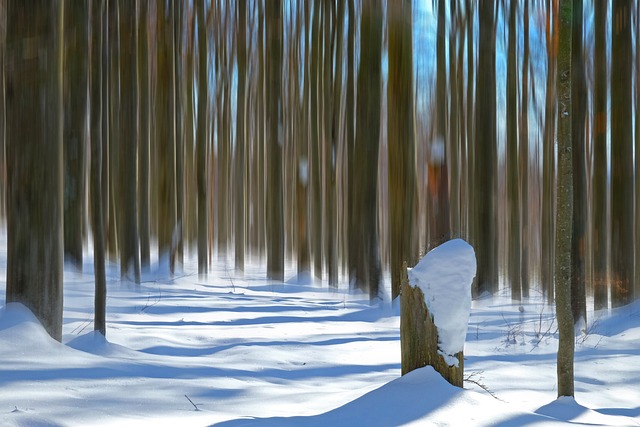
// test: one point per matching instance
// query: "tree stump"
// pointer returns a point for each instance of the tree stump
(419, 336)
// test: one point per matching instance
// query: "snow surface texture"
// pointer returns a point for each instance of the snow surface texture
(252, 352)
(445, 276)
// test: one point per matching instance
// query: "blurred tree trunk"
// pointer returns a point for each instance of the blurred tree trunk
(470, 161)
(316, 174)
(454, 117)
(438, 215)
(400, 140)
(143, 145)
(201, 141)
(548, 158)
(579, 164)
(485, 236)
(113, 217)
(97, 221)
(564, 213)
(350, 142)
(637, 155)
(513, 168)
(35, 159)
(130, 250)
(622, 237)
(275, 220)
(75, 129)
(600, 188)
(332, 148)
(165, 133)
(302, 177)
(524, 159)
(241, 31)
(367, 143)
(178, 97)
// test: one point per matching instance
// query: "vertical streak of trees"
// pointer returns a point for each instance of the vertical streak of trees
(513, 196)
(367, 141)
(201, 137)
(400, 140)
(485, 155)
(548, 157)
(241, 31)
(143, 144)
(35, 135)
(129, 123)
(97, 13)
(622, 237)
(275, 220)
(75, 94)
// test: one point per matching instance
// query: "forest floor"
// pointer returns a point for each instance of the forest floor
(237, 350)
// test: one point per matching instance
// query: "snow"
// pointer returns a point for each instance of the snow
(445, 275)
(251, 352)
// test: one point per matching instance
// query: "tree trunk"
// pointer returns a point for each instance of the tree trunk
(622, 237)
(165, 133)
(600, 188)
(367, 143)
(275, 220)
(564, 211)
(513, 168)
(240, 136)
(485, 154)
(548, 160)
(75, 94)
(524, 159)
(34, 159)
(400, 140)
(579, 164)
(201, 142)
(143, 146)
(130, 250)
(419, 336)
(97, 220)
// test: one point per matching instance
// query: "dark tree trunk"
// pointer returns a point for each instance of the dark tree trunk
(130, 250)
(486, 237)
(34, 159)
(513, 168)
(143, 147)
(400, 140)
(75, 113)
(97, 220)
(201, 142)
(622, 237)
(367, 143)
(275, 220)
(240, 136)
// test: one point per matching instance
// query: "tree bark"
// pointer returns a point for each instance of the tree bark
(34, 159)
(622, 237)
(564, 213)
(75, 94)
(419, 336)
(400, 140)
(367, 143)
(97, 220)
(275, 220)
(486, 154)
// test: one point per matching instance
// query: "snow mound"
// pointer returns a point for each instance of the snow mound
(421, 397)
(19, 326)
(445, 276)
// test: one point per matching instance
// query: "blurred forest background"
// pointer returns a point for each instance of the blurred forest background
(342, 137)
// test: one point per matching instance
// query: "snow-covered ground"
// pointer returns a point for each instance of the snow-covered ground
(236, 350)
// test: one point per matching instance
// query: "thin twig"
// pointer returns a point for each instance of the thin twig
(191, 401)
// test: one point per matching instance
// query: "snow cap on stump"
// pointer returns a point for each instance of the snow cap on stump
(445, 276)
